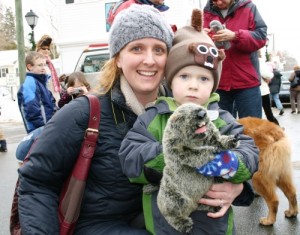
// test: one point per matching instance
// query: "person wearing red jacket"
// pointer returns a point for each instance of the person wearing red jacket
(158, 4)
(246, 31)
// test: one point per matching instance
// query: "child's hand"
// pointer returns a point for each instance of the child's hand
(224, 165)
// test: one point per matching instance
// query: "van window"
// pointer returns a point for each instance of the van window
(93, 63)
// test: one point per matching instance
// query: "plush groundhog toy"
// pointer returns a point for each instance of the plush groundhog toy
(190, 140)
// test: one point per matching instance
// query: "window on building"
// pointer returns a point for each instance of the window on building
(69, 1)
(3, 72)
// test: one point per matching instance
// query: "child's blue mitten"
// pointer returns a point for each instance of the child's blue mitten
(224, 165)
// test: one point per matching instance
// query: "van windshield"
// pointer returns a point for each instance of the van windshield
(93, 63)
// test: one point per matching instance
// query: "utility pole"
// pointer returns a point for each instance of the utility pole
(20, 40)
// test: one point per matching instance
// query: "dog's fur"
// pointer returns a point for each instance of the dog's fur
(181, 186)
(275, 167)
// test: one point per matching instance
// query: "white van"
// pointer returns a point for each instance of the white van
(91, 61)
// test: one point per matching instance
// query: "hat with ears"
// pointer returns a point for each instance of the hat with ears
(45, 41)
(192, 46)
(138, 22)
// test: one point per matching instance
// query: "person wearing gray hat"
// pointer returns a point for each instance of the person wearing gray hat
(130, 81)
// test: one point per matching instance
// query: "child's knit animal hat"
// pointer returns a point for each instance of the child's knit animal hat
(192, 46)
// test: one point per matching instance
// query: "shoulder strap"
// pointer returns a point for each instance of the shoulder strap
(73, 189)
(81, 168)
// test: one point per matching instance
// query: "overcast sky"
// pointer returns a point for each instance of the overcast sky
(280, 16)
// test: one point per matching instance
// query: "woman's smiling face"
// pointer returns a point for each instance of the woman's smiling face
(143, 64)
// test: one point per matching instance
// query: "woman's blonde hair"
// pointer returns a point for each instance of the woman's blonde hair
(110, 73)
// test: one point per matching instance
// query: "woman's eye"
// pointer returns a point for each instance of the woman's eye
(136, 49)
(160, 50)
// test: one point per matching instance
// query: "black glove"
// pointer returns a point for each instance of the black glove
(152, 175)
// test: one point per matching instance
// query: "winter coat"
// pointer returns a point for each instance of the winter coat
(141, 150)
(292, 77)
(121, 5)
(275, 83)
(266, 76)
(241, 66)
(36, 102)
(110, 201)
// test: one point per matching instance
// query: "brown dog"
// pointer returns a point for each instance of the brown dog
(275, 167)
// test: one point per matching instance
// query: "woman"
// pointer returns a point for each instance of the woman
(130, 81)
(246, 31)
(44, 46)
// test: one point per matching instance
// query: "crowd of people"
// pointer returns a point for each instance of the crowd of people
(150, 73)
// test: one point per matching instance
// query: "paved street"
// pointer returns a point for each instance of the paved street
(246, 218)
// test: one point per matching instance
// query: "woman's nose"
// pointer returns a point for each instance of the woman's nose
(149, 58)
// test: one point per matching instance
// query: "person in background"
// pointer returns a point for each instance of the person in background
(130, 81)
(77, 85)
(44, 46)
(121, 5)
(36, 102)
(295, 92)
(275, 85)
(246, 31)
(193, 76)
(3, 146)
(266, 77)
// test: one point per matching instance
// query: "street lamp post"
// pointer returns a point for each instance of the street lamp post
(32, 20)
(267, 54)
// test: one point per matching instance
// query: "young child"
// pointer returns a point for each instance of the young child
(192, 72)
(36, 103)
(77, 85)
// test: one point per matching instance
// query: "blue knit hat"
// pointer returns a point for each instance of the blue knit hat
(137, 22)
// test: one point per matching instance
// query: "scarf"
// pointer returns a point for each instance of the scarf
(132, 101)
(55, 79)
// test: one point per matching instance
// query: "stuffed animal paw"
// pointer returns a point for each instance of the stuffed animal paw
(215, 26)
(224, 165)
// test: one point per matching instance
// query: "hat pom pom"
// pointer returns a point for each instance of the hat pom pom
(196, 20)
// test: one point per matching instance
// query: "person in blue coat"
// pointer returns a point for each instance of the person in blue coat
(36, 102)
(130, 80)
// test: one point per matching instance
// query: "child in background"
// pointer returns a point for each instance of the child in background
(192, 72)
(36, 102)
(77, 85)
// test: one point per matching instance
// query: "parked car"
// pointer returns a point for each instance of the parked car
(91, 61)
(284, 93)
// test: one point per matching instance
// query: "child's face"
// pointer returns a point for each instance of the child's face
(192, 84)
(39, 66)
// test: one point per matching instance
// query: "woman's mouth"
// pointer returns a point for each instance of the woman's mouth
(146, 73)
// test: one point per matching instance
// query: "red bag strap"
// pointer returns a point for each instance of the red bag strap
(81, 168)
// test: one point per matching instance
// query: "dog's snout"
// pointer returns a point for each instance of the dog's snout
(202, 114)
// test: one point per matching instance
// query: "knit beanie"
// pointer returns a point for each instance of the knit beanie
(192, 46)
(137, 22)
(44, 41)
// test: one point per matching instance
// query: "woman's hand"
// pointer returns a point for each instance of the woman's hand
(224, 35)
(221, 195)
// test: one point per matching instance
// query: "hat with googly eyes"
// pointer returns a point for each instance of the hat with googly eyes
(192, 46)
